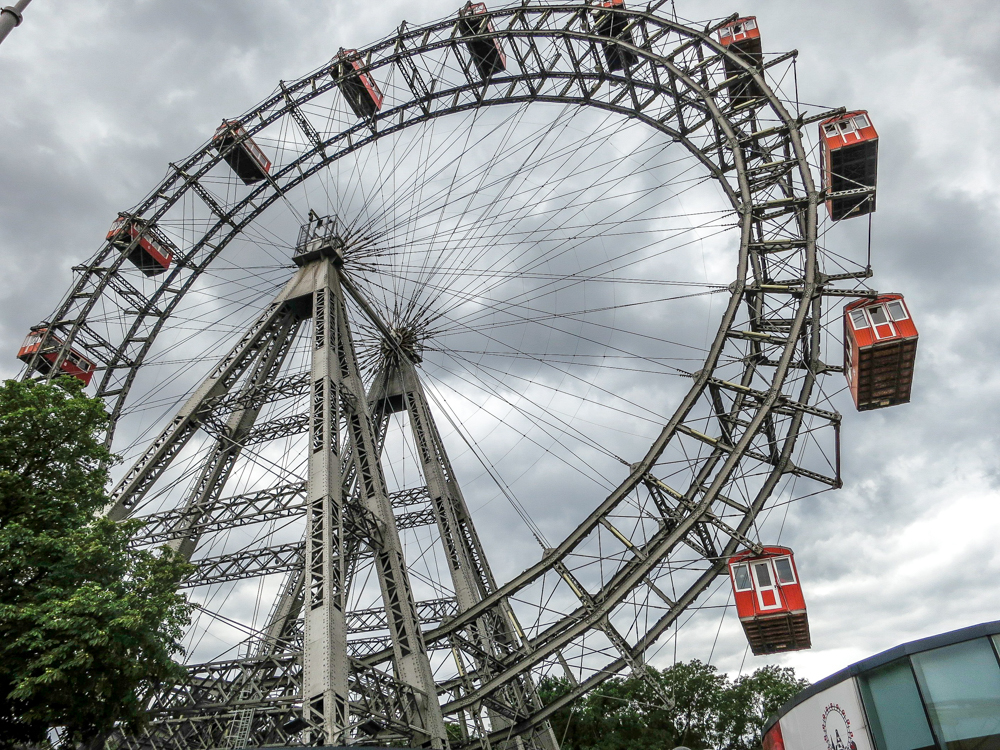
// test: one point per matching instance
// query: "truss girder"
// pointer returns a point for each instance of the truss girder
(245, 564)
(283, 501)
(288, 387)
(229, 512)
(202, 709)
(428, 611)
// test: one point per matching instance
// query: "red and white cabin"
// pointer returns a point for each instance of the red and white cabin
(742, 37)
(487, 54)
(880, 351)
(742, 33)
(74, 364)
(357, 85)
(769, 600)
(152, 252)
(849, 150)
(615, 27)
(241, 152)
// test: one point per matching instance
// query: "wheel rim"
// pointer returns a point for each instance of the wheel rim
(756, 386)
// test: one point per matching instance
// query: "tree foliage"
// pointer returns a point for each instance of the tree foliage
(709, 710)
(87, 623)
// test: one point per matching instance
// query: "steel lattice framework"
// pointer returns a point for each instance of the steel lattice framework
(309, 676)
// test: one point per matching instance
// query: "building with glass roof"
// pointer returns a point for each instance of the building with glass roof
(938, 693)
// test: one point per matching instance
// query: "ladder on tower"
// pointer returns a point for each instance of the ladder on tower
(238, 735)
(239, 731)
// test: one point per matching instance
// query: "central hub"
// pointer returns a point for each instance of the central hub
(407, 341)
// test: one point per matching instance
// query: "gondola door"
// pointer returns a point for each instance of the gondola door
(765, 586)
(884, 329)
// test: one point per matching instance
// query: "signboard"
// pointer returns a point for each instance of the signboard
(831, 720)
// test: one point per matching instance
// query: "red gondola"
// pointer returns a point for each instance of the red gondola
(357, 86)
(614, 26)
(849, 145)
(880, 350)
(241, 152)
(769, 600)
(487, 54)
(742, 36)
(152, 253)
(74, 364)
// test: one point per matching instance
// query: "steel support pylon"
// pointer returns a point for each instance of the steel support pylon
(495, 635)
(341, 428)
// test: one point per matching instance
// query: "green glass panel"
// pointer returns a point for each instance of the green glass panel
(894, 709)
(961, 688)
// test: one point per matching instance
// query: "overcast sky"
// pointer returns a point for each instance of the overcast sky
(98, 96)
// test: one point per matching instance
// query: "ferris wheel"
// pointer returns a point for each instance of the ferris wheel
(484, 353)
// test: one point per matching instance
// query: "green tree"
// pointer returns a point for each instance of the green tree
(750, 701)
(87, 622)
(707, 710)
(696, 689)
